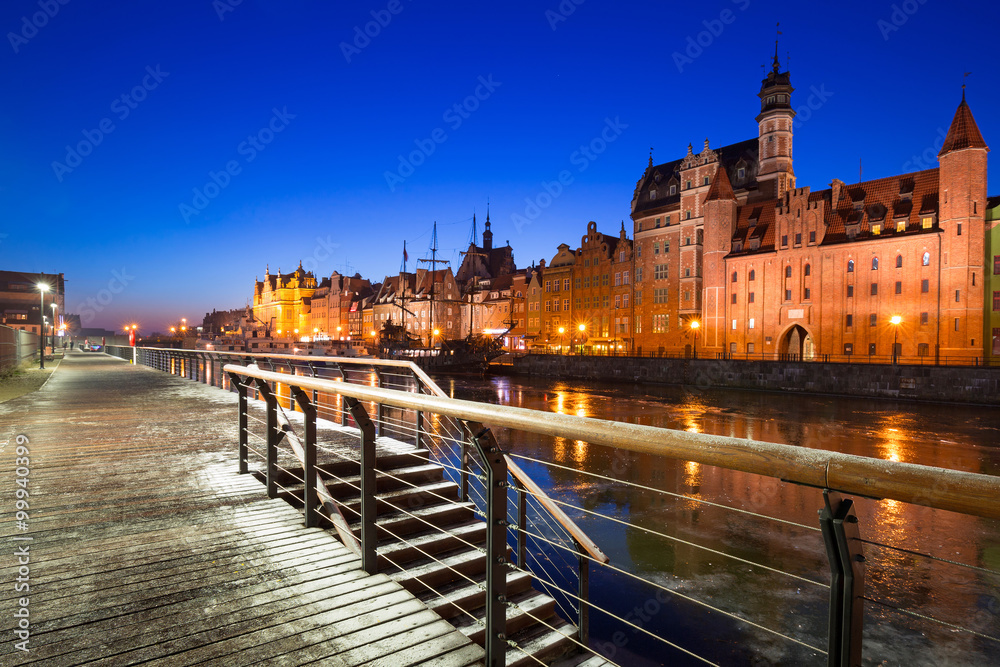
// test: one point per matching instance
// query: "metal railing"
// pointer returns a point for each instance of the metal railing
(853, 559)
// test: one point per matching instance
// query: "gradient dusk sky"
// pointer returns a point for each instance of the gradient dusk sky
(183, 146)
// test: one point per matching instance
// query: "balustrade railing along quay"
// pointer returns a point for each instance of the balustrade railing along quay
(966, 493)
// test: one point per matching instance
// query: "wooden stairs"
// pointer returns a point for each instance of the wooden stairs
(431, 547)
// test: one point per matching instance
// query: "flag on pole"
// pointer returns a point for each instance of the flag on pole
(406, 257)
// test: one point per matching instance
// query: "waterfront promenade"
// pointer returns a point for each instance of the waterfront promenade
(147, 546)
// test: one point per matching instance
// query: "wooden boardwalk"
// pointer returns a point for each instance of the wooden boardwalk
(147, 547)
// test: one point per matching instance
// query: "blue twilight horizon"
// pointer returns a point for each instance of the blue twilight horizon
(181, 148)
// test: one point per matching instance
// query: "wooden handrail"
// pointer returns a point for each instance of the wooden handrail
(964, 492)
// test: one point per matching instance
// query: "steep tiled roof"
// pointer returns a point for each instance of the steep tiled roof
(963, 133)
(884, 200)
(741, 154)
(721, 187)
(755, 228)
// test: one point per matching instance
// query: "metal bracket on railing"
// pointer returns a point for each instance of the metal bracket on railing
(843, 548)
(496, 542)
(274, 436)
(309, 460)
(369, 537)
(241, 391)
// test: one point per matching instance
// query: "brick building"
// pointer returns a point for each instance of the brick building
(725, 239)
(281, 304)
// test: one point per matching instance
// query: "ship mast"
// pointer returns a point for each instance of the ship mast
(434, 261)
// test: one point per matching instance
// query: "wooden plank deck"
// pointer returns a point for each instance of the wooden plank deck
(147, 546)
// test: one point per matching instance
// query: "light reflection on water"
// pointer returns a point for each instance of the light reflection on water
(957, 437)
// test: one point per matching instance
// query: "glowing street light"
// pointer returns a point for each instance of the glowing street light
(895, 320)
(695, 325)
(42, 289)
(562, 331)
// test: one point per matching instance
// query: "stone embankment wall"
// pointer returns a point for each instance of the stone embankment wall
(954, 384)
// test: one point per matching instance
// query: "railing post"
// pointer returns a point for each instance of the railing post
(343, 399)
(583, 592)
(843, 548)
(463, 466)
(309, 464)
(496, 543)
(380, 415)
(273, 437)
(522, 520)
(369, 536)
(241, 391)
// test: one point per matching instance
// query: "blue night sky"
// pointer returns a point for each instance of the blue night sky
(304, 135)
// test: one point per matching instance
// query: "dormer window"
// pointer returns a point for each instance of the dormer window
(673, 189)
(741, 173)
(652, 194)
(876, 229)
(901, 225)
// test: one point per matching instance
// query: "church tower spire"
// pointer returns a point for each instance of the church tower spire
(774, 123)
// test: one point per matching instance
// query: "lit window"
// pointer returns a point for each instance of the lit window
(927, 261)
(874, 263)
(876, 229)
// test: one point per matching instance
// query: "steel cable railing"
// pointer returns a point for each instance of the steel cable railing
(411, 414)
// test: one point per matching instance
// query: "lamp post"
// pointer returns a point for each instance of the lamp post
(42, 289)
(562, 332)
(55, 306)
(895, 320)
(695, 325)
(583, 333)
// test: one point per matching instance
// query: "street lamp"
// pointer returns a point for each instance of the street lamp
(695, 325)
(55, 306)
(562, 331)
(583, 333)
(895, 320)
(42, 289)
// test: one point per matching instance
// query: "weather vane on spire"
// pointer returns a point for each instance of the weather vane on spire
(777, 65)
(964, 77)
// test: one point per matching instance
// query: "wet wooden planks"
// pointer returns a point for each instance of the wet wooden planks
(146, 546)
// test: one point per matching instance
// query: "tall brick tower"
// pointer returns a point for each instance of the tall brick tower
(775, 131)
(720, 224)
(962, 207)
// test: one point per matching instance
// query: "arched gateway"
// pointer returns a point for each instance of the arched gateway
(797, 344)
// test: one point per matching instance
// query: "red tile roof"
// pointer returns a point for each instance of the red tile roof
(882, 201)
(963, 133)
(721, 187)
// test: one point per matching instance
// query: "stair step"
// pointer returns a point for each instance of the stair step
(395, 526)
(470, 597)
(442, 571)
(431, 543)
(532, 608)
(407, 499)
(543, 644)
(349, 486)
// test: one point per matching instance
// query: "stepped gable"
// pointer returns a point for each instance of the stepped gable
(659, 177)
